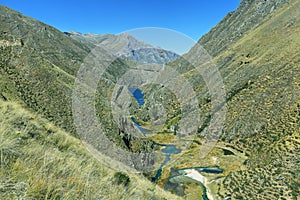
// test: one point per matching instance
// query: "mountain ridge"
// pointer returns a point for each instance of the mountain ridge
(126, 46)
(260, 70)
(38, 66)
(254, 12)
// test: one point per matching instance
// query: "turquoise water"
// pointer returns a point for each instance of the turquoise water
(171, 149)
(159, 171)
(168, 150)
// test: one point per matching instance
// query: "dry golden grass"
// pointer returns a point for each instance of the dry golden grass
(40, 161)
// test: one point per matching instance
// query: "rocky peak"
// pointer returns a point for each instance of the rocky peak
(126, 46)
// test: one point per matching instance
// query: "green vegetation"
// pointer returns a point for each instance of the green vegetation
(260, 70)
(38, 69)
(41, 161)
(257, 52)
(121, 178)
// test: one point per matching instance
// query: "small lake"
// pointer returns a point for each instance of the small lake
(168, 150)
(171, 149)
(212, 170)
(138, 95)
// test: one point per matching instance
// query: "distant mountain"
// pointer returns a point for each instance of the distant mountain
(256, 52)
(127, 47)
(38, 68)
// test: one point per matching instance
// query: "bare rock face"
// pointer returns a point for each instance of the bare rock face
(151, 55)
(126, 47)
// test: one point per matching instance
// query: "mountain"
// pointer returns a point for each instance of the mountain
(118, 44)
(40, 160)
(126, 46)
(41, 154)
(39, 65)
(256, 51)
(236, 24)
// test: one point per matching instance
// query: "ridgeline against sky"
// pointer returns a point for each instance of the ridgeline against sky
(193, 18)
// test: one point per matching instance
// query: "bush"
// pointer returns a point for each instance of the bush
(121, 178)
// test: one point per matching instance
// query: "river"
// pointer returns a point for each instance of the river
(169, 149)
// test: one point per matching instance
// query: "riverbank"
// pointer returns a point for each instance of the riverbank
(195, 175)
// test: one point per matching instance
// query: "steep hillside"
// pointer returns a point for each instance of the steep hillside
(38, 64)
(250, 14)
(38, 69)
(127, 47)
(41, 161)
(256, 49)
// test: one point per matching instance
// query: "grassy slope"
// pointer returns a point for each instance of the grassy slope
(41, 161)
(263, 117)
(261, 74)
(260, 70)
(37, 68)
(38, 65)
(236, 24)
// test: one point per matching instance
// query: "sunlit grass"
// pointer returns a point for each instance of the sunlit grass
(40, 161)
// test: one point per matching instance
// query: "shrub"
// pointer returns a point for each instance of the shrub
(121, 178)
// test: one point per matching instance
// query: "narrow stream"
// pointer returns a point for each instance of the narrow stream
(170, 149)
(143, 130)
(159, 171)
(175, 176)
(167, 150)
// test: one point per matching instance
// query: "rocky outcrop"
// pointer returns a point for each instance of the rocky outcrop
(126, 47)
(151, 55)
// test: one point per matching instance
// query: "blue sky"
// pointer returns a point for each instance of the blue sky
(191, 17)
